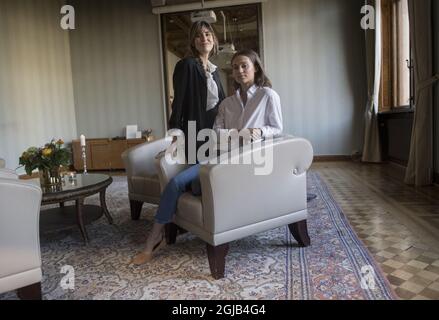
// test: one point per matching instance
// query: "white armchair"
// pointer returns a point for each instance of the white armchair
(143, 181)
(236, 203)
(20, 258)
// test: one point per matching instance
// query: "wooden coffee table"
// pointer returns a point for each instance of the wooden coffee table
(76, 190)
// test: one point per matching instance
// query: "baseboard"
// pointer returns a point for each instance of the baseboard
(396, 165)
(397, 161)
(332, 158)
(400, 166)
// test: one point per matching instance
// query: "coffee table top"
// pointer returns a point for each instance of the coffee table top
(84, 185)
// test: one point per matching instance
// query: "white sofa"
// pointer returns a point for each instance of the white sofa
(236, 203)
(20, 258)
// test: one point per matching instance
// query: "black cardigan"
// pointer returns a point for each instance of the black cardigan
(190, 96)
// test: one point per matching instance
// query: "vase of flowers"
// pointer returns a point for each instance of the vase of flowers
(47, 160)
(49, 177)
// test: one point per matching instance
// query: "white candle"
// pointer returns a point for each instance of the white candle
(82, 138)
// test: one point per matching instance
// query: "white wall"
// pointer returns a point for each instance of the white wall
(172, 62)
(109, 74)
(116, 67)
(314, 54)
(36, 92)
(436, 88)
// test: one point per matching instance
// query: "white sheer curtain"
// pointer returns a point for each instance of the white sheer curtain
(420, 167)
(371, 147)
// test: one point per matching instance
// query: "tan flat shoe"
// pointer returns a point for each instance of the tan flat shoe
(145, 257)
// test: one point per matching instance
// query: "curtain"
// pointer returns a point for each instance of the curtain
(420, 166)
(371, 147)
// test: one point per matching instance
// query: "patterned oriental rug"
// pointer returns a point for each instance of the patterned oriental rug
(268, 266)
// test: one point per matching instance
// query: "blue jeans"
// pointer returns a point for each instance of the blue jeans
(174, 189)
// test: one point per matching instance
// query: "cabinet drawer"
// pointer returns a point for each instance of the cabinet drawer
(102, 154)
(99, 152)
(117, 147)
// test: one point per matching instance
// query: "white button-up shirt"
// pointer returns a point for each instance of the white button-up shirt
(212, 87)
(262, 110)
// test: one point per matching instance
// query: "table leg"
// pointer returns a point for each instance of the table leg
(79, 204)
(61, 204)
(104, 206)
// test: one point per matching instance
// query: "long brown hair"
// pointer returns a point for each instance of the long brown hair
(194, 32)
(261, 79)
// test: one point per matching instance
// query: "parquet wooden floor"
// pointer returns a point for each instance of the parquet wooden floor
(398, 223)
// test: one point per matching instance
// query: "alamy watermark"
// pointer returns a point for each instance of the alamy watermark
(232, 147)
(368, 21)
(68, 20)
(368, 278)
(68, 281)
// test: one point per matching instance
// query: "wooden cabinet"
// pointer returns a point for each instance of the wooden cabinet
(102, 154)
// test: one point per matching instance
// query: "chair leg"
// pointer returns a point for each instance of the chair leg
(217, 259)
(136, 209)
(32, 292)
(171, 230)
(181, 230)
(299, 231)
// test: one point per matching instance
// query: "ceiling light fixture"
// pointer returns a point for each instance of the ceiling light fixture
(226, 50)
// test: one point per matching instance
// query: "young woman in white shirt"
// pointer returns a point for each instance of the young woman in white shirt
(254, 105)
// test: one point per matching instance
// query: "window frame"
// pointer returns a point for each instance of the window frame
(389, 82)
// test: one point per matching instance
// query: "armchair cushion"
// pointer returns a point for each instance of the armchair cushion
(191, 209)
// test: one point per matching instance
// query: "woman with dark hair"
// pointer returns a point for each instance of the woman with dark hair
(255, 105)
(197, 86)
(197, 94)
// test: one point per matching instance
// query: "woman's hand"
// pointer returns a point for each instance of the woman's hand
(256, 134)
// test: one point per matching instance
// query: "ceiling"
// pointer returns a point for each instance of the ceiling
(175, 2)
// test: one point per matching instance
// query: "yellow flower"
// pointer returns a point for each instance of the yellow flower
(46, 152)
(60, 142)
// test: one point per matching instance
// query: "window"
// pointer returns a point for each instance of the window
(396, 78)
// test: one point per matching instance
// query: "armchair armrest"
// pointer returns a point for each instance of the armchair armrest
(139, 160)
(233, 195)
(8, 174)
(19, 228)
